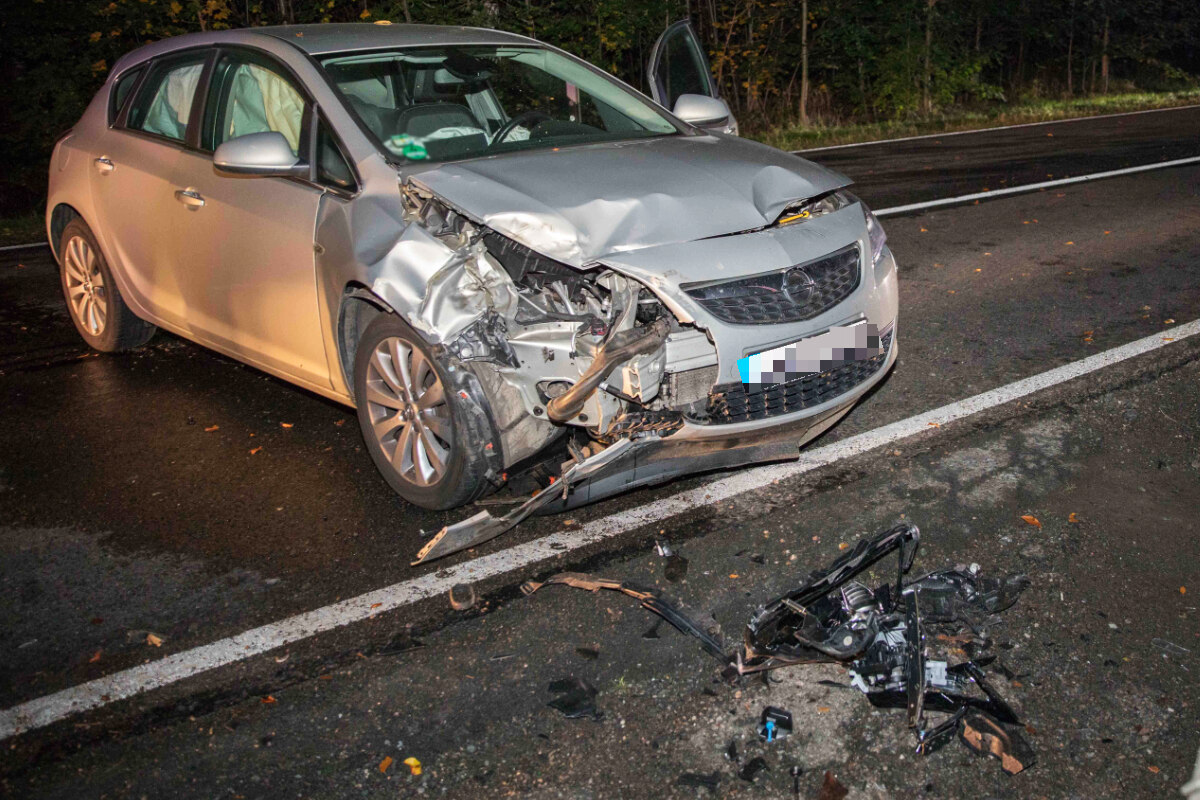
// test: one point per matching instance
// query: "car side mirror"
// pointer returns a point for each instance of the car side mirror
(701, 110)
(265, 154)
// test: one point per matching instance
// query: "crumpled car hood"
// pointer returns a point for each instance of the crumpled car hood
(579, 204)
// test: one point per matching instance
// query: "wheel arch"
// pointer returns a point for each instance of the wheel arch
(358, 308)
(62, 214)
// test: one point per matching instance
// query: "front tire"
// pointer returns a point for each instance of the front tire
(99, 312)
(415, 425)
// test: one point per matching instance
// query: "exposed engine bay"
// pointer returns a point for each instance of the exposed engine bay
(577, 348)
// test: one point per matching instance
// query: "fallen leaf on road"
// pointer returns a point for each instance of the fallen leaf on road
(935, 424)
(1183, 590)
(413, 765)
(1070, 243)
(285, 424)
(383, 765)
(1032, 520)
(95, 658)
(843, 546)
(154, 640)
(1168, 322)
(268, 699)
(255, 450)
(1073, 517)
(376, 605)
(734, 575)
(1153, 769)
(212, 428)
(339, 422)
(1106, 233)
(824, 710)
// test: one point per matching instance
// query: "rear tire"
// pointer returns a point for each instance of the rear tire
(414, 422)
(93, 299)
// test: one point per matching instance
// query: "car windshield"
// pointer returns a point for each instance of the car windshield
(443, 103)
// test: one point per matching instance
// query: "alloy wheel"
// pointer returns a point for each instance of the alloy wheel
(86, 292)
(409, 413)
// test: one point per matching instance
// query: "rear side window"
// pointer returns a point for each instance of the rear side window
(249, 94)
(120, 93)
(164, 103)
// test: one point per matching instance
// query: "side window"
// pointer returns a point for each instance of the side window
(248, 94)
(120, 93)
(333, 168)
(164, 103)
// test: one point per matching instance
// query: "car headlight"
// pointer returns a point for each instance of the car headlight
(875, 233)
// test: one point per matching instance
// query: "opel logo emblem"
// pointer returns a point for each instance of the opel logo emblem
(799, 285)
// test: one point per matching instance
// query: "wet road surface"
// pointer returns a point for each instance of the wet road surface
(131, 503)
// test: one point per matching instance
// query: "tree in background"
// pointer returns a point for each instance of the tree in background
(776, 62)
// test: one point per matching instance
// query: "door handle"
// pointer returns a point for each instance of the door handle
(190, 198)
(104, 165)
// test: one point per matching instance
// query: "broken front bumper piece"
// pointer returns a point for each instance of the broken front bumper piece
(648, 458)
(881, 635)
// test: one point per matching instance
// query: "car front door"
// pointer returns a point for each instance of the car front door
(246, 242)
(131, 178)
(678, 66)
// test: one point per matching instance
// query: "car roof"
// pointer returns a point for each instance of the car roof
(336, 37)
(328, 38)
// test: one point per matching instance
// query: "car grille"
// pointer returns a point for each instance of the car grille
(731, 402)
(766, 299)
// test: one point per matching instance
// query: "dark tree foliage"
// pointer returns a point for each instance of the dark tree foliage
(867, 59)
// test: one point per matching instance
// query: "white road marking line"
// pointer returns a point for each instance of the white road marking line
(23, 246)
(147, 677)
(989, 130)
(1032, 187)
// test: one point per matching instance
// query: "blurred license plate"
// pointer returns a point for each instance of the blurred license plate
(820, 353)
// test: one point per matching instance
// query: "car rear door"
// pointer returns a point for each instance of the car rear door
(131, 173)
(246, 242)
(678, 66)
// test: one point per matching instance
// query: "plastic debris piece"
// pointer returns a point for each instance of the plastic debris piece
(1169, 647)
(987, 736)
(413, 764)
(774, 724)
(462, 596)
(577, 698)
(754, 766)
(697, 780)
(676, 569)
(831, 788)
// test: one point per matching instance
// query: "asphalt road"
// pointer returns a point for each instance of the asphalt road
(130, 503)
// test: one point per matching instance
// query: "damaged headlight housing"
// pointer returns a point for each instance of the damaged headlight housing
(875, 233)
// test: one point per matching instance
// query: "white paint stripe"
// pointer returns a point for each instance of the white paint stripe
(24, 246)
(147, 677)
(1033, 187)
(989, 130)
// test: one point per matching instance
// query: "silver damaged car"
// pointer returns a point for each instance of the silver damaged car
(496, 252)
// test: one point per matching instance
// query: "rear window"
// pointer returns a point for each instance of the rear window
(121, 91)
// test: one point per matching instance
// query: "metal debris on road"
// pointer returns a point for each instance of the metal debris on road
(879, 633)
(673, 612)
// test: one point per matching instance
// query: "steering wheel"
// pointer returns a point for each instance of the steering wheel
(518, 121)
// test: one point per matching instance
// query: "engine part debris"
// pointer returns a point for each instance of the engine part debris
(577, 698)
(673, 612)
(462, 596)
(774, 724)
(754, 766)
(880, 634)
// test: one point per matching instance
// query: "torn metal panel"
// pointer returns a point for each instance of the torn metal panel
(673, 612)
(483, 527)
